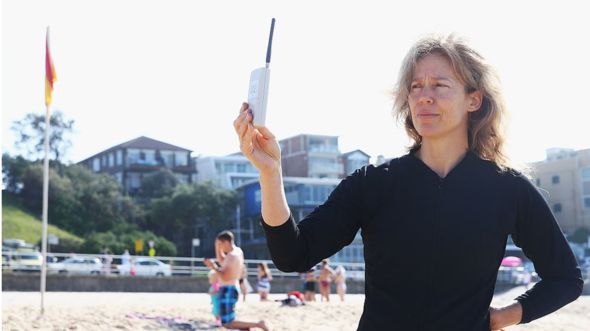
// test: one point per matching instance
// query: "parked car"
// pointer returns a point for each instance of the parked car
(77, 265)
(146, 266)
(26, 262)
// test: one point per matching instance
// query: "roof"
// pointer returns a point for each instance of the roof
(143, 143)
(356, 151)
(309, 135)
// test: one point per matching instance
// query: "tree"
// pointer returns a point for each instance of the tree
(62, 203)
(176, 217)
(158, 184)
(13, 169)
(122, 237)
(30, 133)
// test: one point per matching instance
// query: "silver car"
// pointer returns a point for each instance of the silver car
(78, 265)
(146, 266)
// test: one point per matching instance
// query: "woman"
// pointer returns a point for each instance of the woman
(452, 197)
(340, 281)
(264, 278)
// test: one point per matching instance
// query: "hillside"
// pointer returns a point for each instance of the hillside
(20, 224)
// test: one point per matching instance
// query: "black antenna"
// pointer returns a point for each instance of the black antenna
(268, 49)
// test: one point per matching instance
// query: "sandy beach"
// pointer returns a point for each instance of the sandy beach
(184, 311)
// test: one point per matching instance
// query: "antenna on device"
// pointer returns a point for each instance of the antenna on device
(269, 48)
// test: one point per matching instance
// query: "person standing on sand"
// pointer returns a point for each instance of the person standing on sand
(309, 286)
(340, 281)
(244, 285)
(231, 259)
(264, 278)
(326, 275)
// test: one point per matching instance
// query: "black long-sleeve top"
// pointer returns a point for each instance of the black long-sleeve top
(433, 246)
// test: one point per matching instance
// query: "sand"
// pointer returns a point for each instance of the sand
(172, 311)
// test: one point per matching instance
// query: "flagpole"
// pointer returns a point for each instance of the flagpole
(49, 79)
(45, 209)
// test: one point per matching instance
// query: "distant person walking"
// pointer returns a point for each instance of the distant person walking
(125, 258)
(231, 261)
(264, 278)
(340, 281)
(326, 275)
(245, 287)
(309, 286)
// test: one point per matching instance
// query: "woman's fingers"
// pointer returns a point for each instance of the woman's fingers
(242, 121)
(246, 144)
(244, 107)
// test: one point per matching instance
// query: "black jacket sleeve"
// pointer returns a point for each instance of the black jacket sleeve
(322, 233)
(541, 240)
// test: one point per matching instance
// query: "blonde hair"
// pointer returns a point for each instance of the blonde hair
(486, 132)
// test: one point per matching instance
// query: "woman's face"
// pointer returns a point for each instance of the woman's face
(438, 102)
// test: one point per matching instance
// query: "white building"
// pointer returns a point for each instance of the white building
(227, 172)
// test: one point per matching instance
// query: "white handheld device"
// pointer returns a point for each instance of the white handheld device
(259, 83)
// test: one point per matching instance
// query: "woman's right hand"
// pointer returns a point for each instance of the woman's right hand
(259, 145)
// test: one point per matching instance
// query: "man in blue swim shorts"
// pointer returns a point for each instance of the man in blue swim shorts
(229, 269)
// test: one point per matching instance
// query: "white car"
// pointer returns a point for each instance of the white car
(146, 266)
(78, 265)
(26, 262)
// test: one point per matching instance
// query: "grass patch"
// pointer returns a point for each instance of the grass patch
(20, 224)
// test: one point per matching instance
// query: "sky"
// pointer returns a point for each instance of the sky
(178, 71)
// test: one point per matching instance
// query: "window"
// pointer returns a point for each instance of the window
(132, 156)
(228, 167)
(119, 177)
(180, 159)
(241, 167)
(96, 164)
(111, 160)
(133, 180)
(557, 208)
(587, 202)
(167, 158)
(119, 157)
(555, 179)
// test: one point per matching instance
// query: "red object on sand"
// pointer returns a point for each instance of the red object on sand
(297, 294)
(511, 261)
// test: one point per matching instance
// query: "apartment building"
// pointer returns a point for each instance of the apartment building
(227, 172)
(354, 160)
(130, 161)
(317, 156)
(314, 156)
(564, 180)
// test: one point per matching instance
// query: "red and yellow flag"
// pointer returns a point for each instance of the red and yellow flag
(50, 76)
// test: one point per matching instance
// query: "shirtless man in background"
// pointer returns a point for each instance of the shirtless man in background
(231, 259)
